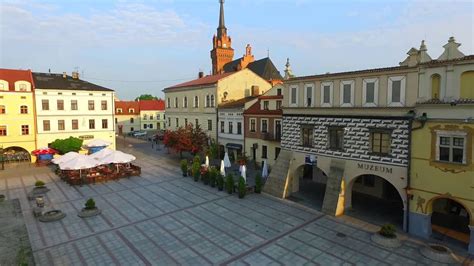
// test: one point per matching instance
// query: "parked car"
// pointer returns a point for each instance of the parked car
(139, 134)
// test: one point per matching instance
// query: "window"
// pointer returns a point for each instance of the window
(150, 126)
(293, 96)
(168, 104)
(196, 101)
(396, 91)
(265, 105)
(231, 127)
(264, 152)
(145, 117)
(336, 138)
(131, 110)
(278, 129)
(46, 125)
(185, 102)
(3, 130)
(105, 124)
(380, 142)
(197, 122)
(208, 100)
(22, 87)
(347, 93)
(116, 120)
(2, 109)
(132, 120)
(435, 86)
(452, 147)
(169, 121)
(252, 124)
(75, 124)
(103, 105)
(326, 94)
(60, 105)
(209, 124)
(278, 91)
(60, 124)
(145, 126)
(23, 109)
(25, 130)
(277, 152)
(307, 136)
(309, 95)
(222, 126)
(151, 117)
(370, 92)
(45, 105)
(264, 126)
(74, 106)
(177, 122)
(91, 124)
(185, 122)
(176, 102)
(91, 106)
(239, 128)
(278, 105)
(158, 116)
(131, 129)
(213, 103)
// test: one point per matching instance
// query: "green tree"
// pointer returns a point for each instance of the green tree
(146, 97)
(66, 145)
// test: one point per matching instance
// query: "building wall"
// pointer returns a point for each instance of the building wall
(158, 117)
(271, 150)
(13, 119)
(127, 126)
(239, 85)
(82, 114)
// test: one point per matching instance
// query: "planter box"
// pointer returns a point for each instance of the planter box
(385, 241)
(85, 213)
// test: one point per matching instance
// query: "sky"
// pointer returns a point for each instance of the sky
(142, 47)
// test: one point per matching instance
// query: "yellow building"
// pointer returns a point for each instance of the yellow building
(68, 106)
(17, 115)
(442, 170)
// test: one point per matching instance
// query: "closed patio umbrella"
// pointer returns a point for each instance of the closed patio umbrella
(207, 161)
(244, 173)
(265, 169)
(227, 160)
(222, 168)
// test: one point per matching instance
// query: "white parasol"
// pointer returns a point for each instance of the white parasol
(78, 163)
(244, 172)
(101, 154)
(227, 160)
(207, 161)
(265, 169)
(222, 168)
(98, 143)
(117, 157)
(66, 157)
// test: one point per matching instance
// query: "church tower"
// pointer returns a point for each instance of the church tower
(222, 52)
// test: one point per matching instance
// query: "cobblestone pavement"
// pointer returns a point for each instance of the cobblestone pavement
(162, 218)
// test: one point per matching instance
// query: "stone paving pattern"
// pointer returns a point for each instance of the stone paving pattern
(162, 218)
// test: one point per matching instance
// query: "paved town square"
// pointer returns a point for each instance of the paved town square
(162, 218)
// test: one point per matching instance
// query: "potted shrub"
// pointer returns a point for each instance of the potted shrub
(197, 159)
(258, 183)
(39, 184)
(205, 177)
(39, 189)
(212, 177)
(184, 167)
(229, 183)
(89, 209)
(387, 236)
(196, 170)
(220, 182)
(241, 187)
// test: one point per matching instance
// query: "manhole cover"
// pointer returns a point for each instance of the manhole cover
(340, 234)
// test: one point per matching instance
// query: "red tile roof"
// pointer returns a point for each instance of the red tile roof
(126, 105)
(207, 80)
(152, 105)
(13, 75)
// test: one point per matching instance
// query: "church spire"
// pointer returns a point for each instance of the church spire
(221, 30)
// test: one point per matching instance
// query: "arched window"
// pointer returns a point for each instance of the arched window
(207, 101)
(435, 86)
(23, 109)
(467, 85)
(176, 102)
(196, 101)
(185, 102)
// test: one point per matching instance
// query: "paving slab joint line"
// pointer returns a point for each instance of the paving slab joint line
(264, 243)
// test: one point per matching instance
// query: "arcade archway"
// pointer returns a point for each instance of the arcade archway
(311, 186)
(374, 199)
(15, 154)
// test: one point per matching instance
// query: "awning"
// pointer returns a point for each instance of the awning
(234, 146)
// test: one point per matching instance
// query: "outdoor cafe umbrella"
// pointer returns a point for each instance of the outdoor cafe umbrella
(222, 168)
(117, 157)
(265, 169)
(78, 163)
(101, 154)
(244, 172)
(98, 143)
(66, 157)
(207, 161)
(226, 160)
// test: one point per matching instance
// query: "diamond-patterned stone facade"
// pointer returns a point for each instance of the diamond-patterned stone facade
(356, 137)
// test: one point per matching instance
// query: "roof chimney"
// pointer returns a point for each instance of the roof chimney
(200, 74)
(255, 90)
(75, 75)
(64, 75)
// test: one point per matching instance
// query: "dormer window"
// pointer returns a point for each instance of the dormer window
(119, 110)
(131, 110)
(23, 87)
